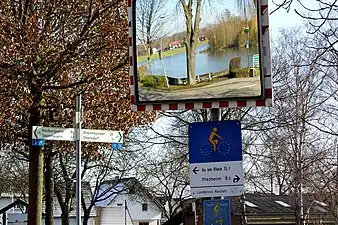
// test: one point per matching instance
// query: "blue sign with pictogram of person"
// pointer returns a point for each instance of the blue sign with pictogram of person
(215, 141)
(215, 159)
(217, 212)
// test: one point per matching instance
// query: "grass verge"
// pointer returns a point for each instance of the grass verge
(157, 82)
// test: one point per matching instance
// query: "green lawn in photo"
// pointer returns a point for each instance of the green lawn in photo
(158, 82)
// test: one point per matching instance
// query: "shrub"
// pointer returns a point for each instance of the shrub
(242, 73)
(154, 81)
(235, 63)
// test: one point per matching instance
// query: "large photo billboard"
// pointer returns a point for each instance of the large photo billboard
(197, 51)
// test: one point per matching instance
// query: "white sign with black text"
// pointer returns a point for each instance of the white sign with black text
(68, 134)
(216, 179)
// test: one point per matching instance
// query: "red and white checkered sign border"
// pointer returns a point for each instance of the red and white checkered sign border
(266, 61)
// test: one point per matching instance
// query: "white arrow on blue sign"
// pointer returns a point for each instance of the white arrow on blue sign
(117, 146)
(38, 142)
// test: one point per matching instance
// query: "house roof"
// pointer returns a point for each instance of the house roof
(175, 43)
(110, 189)
(259, 204)
(16, 202)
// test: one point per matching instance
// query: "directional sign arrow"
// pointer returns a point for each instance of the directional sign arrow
(35, 130)
(195, 170)
(120, 133)
(236, 179)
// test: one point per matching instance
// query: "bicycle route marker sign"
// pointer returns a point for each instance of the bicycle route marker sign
(217, 212)
(215, 159)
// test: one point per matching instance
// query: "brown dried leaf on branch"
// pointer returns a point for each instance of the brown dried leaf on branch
(50, 50)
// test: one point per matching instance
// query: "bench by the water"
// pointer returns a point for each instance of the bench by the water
(184, 81)
(203, 77)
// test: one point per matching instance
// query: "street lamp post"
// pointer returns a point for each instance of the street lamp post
(161, 58)
(247, 42)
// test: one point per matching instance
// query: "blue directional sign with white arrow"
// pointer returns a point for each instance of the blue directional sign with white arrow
(215, 157)
(217, 212)
(117, 146)
(38, 142)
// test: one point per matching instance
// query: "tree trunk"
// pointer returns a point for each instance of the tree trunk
(36, 157)
(85, 217)
(65, 217)
(191, 38)
(35, 185)
(65, 206)
(64, 192)
(86, 211)
(191, 64)
(49, 189)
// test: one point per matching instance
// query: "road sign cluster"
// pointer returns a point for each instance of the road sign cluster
(40, 134)
(216, 167)
(215, 156)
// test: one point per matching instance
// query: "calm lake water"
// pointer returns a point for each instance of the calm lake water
(175, 66)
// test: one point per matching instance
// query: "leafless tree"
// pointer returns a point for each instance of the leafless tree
(292, 147)
(150, 19)
(192, 14)
(165, 176)
(97, 170)
(13, 174)
(50, 51)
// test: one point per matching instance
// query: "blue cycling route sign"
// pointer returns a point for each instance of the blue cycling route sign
(215, 159)
(217, 212)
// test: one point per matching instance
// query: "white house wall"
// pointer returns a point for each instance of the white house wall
(112, 216)
(72, 221)
(20, 219)
(134, 204)
(15, 216)
(155, 222)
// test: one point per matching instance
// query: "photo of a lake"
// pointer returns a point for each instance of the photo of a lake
(219, 60)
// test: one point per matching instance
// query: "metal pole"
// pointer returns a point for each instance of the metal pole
(165, 74)
(215, 115)
(195, 212)
(78, 121)
(125, 212)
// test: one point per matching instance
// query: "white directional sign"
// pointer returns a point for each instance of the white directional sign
(68, 134)
(216, 179)
(215, 157)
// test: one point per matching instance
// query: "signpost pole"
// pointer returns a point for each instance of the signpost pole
(78, 121)
(215, 115)
(40, 134)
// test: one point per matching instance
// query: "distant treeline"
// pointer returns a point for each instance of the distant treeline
(228, 32)
(180, 36)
